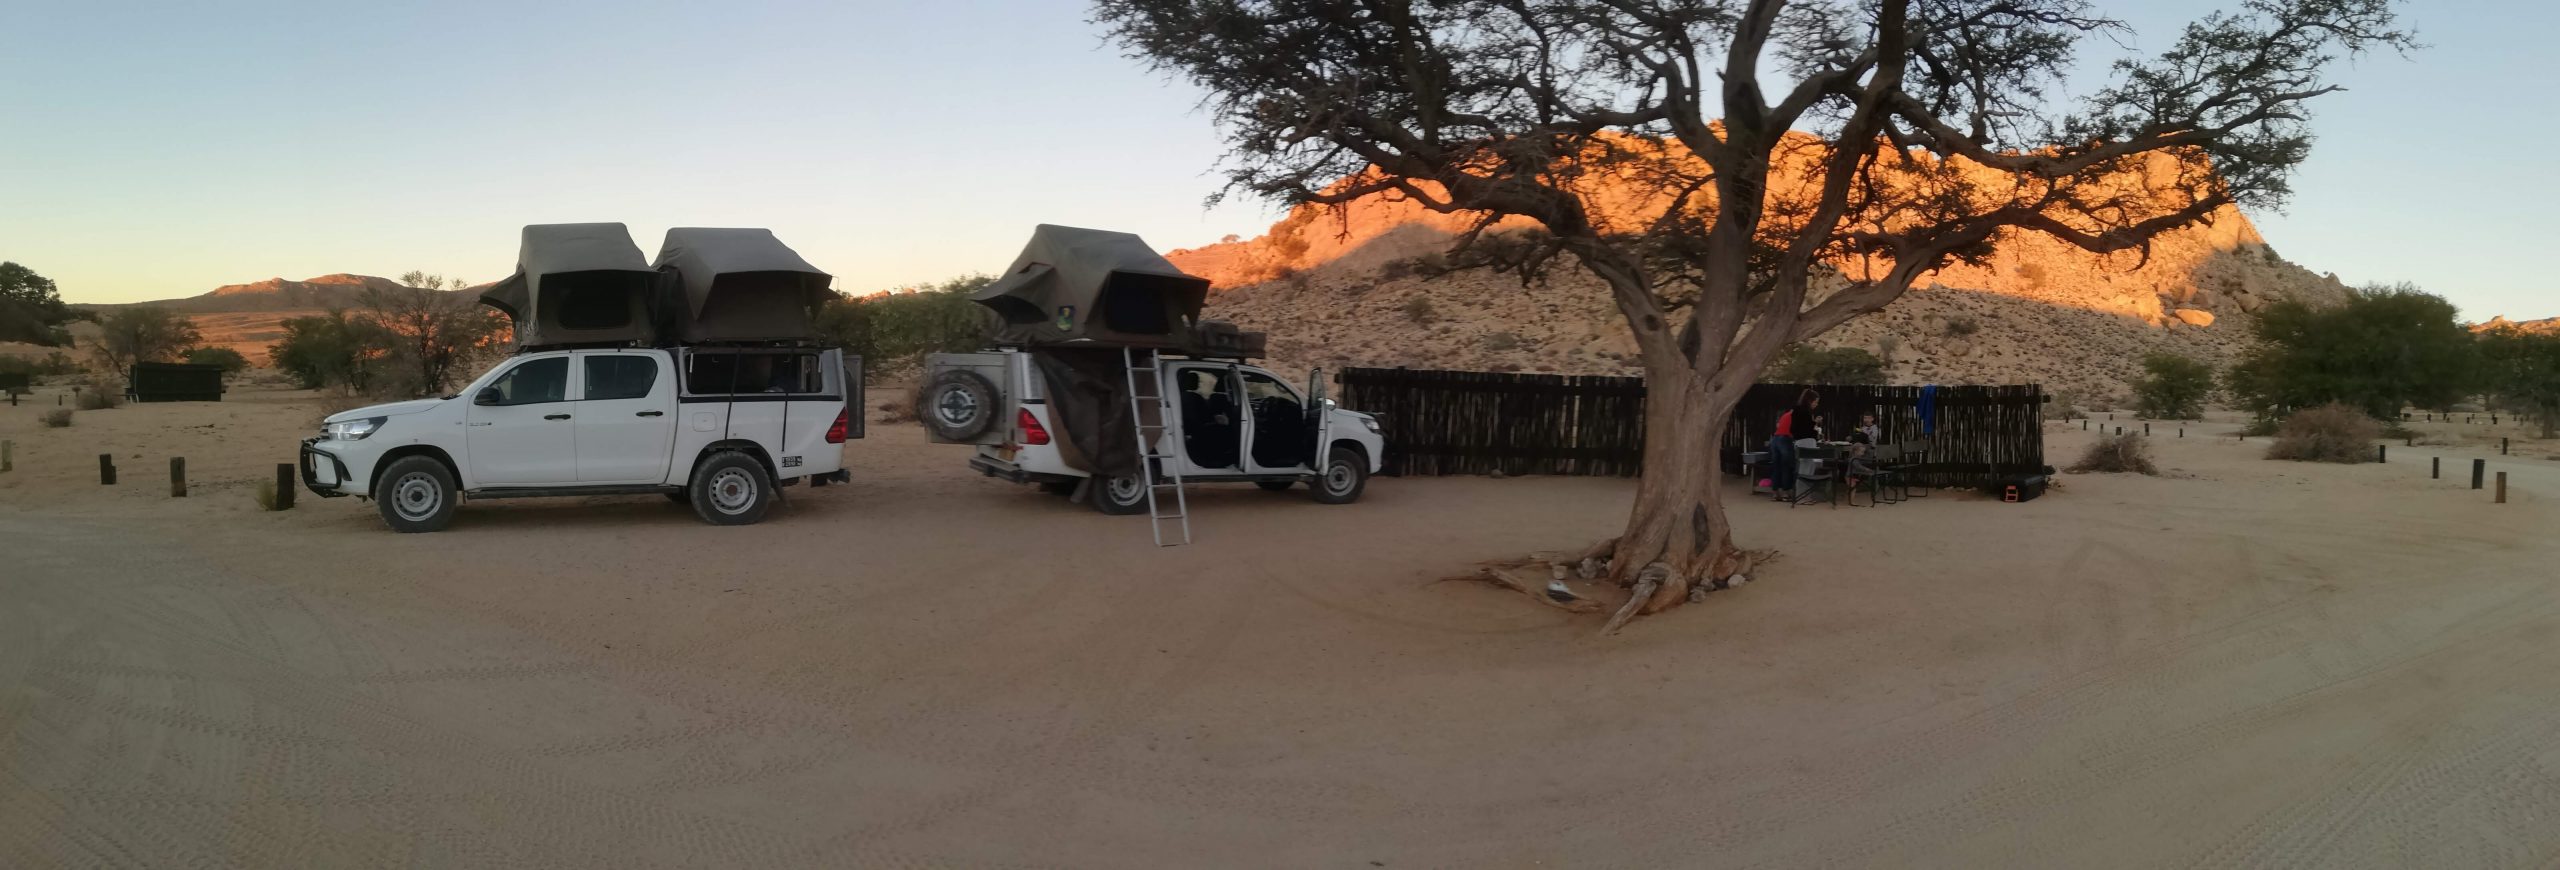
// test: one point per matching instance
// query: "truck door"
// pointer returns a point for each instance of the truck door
(521, 430)
(1320, 416)
(1281, 427)
(626, 425)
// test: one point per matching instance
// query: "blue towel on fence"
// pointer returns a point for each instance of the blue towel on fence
(1929, 409)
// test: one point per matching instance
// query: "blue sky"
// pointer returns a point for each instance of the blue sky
(157, 149)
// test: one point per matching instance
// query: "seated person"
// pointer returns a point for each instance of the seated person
(1208, 422)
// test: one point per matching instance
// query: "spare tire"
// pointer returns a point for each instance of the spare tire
(957, 405)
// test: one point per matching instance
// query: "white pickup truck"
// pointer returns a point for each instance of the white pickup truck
(1231, 422)
(717, 427)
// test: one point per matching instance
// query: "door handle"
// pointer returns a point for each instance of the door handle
(650, 414)
(555, 416)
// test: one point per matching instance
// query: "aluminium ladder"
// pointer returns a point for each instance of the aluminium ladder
(1154, 466)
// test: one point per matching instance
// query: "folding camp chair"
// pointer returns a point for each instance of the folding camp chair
(1814, 467)
(1915, 453)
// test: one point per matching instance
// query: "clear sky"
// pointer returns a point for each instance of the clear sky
(157, 149)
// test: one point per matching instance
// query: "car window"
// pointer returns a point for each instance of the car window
(710, 373)
(1259, 386)
(620, 376)
(534, 382)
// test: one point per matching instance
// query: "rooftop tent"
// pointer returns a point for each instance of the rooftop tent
(722, 284)
(576, 284)
(1074, 284)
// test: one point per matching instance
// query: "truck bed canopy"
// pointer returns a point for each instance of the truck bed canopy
(576, 284)
(1079, 285)
(737, 284)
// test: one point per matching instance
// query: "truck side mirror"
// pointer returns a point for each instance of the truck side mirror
(486, 396)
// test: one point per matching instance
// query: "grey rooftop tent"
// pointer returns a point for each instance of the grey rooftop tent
(1098, 286)
(576, 284)
(722, 284)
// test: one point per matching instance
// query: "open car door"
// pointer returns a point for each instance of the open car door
(1322, 408)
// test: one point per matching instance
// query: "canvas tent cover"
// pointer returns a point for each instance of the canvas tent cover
(1080, 285)
(725, 284)
(576, 283)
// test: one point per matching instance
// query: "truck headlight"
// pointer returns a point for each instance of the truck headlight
(353, 430)
(1372, 423)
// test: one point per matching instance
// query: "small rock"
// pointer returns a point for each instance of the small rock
(1697, 593)
(1590, 568)
(2194, 317)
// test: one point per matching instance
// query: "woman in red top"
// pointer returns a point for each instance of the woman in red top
(1802, 421)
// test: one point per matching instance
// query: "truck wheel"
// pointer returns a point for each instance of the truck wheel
(957, 405)
(1345, 475)
(1126, 494)
(730, 489)
(1275, 485)
(415, 494)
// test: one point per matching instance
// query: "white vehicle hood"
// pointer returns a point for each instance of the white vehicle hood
(392, 409)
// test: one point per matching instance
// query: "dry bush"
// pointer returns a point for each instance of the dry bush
(2329, 433)
(266, 494)
(1418, 309)
(99, 396)
(58, 418)
(2117, 454)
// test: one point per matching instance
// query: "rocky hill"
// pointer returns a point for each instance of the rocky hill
(2544, 326)
(1352, 288)
(249, 317)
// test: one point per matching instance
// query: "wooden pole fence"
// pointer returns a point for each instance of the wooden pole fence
(106, 469)
(284, 486)
(2502, 488)
(177, 477)
(2478, 468)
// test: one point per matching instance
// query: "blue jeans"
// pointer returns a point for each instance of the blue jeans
(1782, 464)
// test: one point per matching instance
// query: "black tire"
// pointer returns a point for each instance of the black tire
(730, 489)
(1126, 494)
(415, 494)
(1275, 485)
(957, 405)
(1344, 476)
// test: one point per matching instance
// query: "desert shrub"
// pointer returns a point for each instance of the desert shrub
(99, 396)
(1834, 365)
(2386, 348)
(1885, 346)
(2064, 408)
(2033, 274)
(2334, 432)
(1502, 341)
(1962, 326)
(894, 331)
(2260, 427)
(266, 494)
(230, 360)
(1418, 309)
(58, 418)
(2117, 454)
(2393, 429)
(2173, 387)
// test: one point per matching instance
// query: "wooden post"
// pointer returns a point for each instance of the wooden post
(2382, 453)
(177, 477)
(2478, 467)
(2502, 446)
(106, 469)
(2146, 428)
(2182, 431)
(284, 486)
(7, 460)
(2119, 430)
(2502, 487)
(2435, 468)
(2084, 424)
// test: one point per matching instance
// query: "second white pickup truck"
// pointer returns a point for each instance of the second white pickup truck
(719, 428)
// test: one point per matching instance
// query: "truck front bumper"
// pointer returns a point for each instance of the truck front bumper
(322, 472)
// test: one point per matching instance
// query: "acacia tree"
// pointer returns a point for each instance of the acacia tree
(142, 333)
(430, 329)
(2523, 369)
(1704, 157)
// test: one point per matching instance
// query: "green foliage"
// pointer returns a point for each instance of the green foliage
(142, 333)
(31, 308)
(2173, 387)
(2384, 349)
(2334, 432)
(1817, 365)
(230, 360)
(333, 349)
(2523, 369)
(893, 331)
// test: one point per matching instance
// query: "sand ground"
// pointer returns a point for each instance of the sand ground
(2240, 663)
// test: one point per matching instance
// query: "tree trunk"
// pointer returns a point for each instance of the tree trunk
(1679, 517)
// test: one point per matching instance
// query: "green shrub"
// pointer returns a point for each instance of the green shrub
(2173, 387)
(99, 396)
(230, 360)
(1418, 309)
(2334, 432)
(58, 418)
(2117, 454)
(1962, 326)
(1836, 365)
(894, 331)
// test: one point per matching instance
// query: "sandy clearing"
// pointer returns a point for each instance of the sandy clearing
(2245, 663)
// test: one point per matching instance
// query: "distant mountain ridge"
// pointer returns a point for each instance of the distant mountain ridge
(340, 290)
